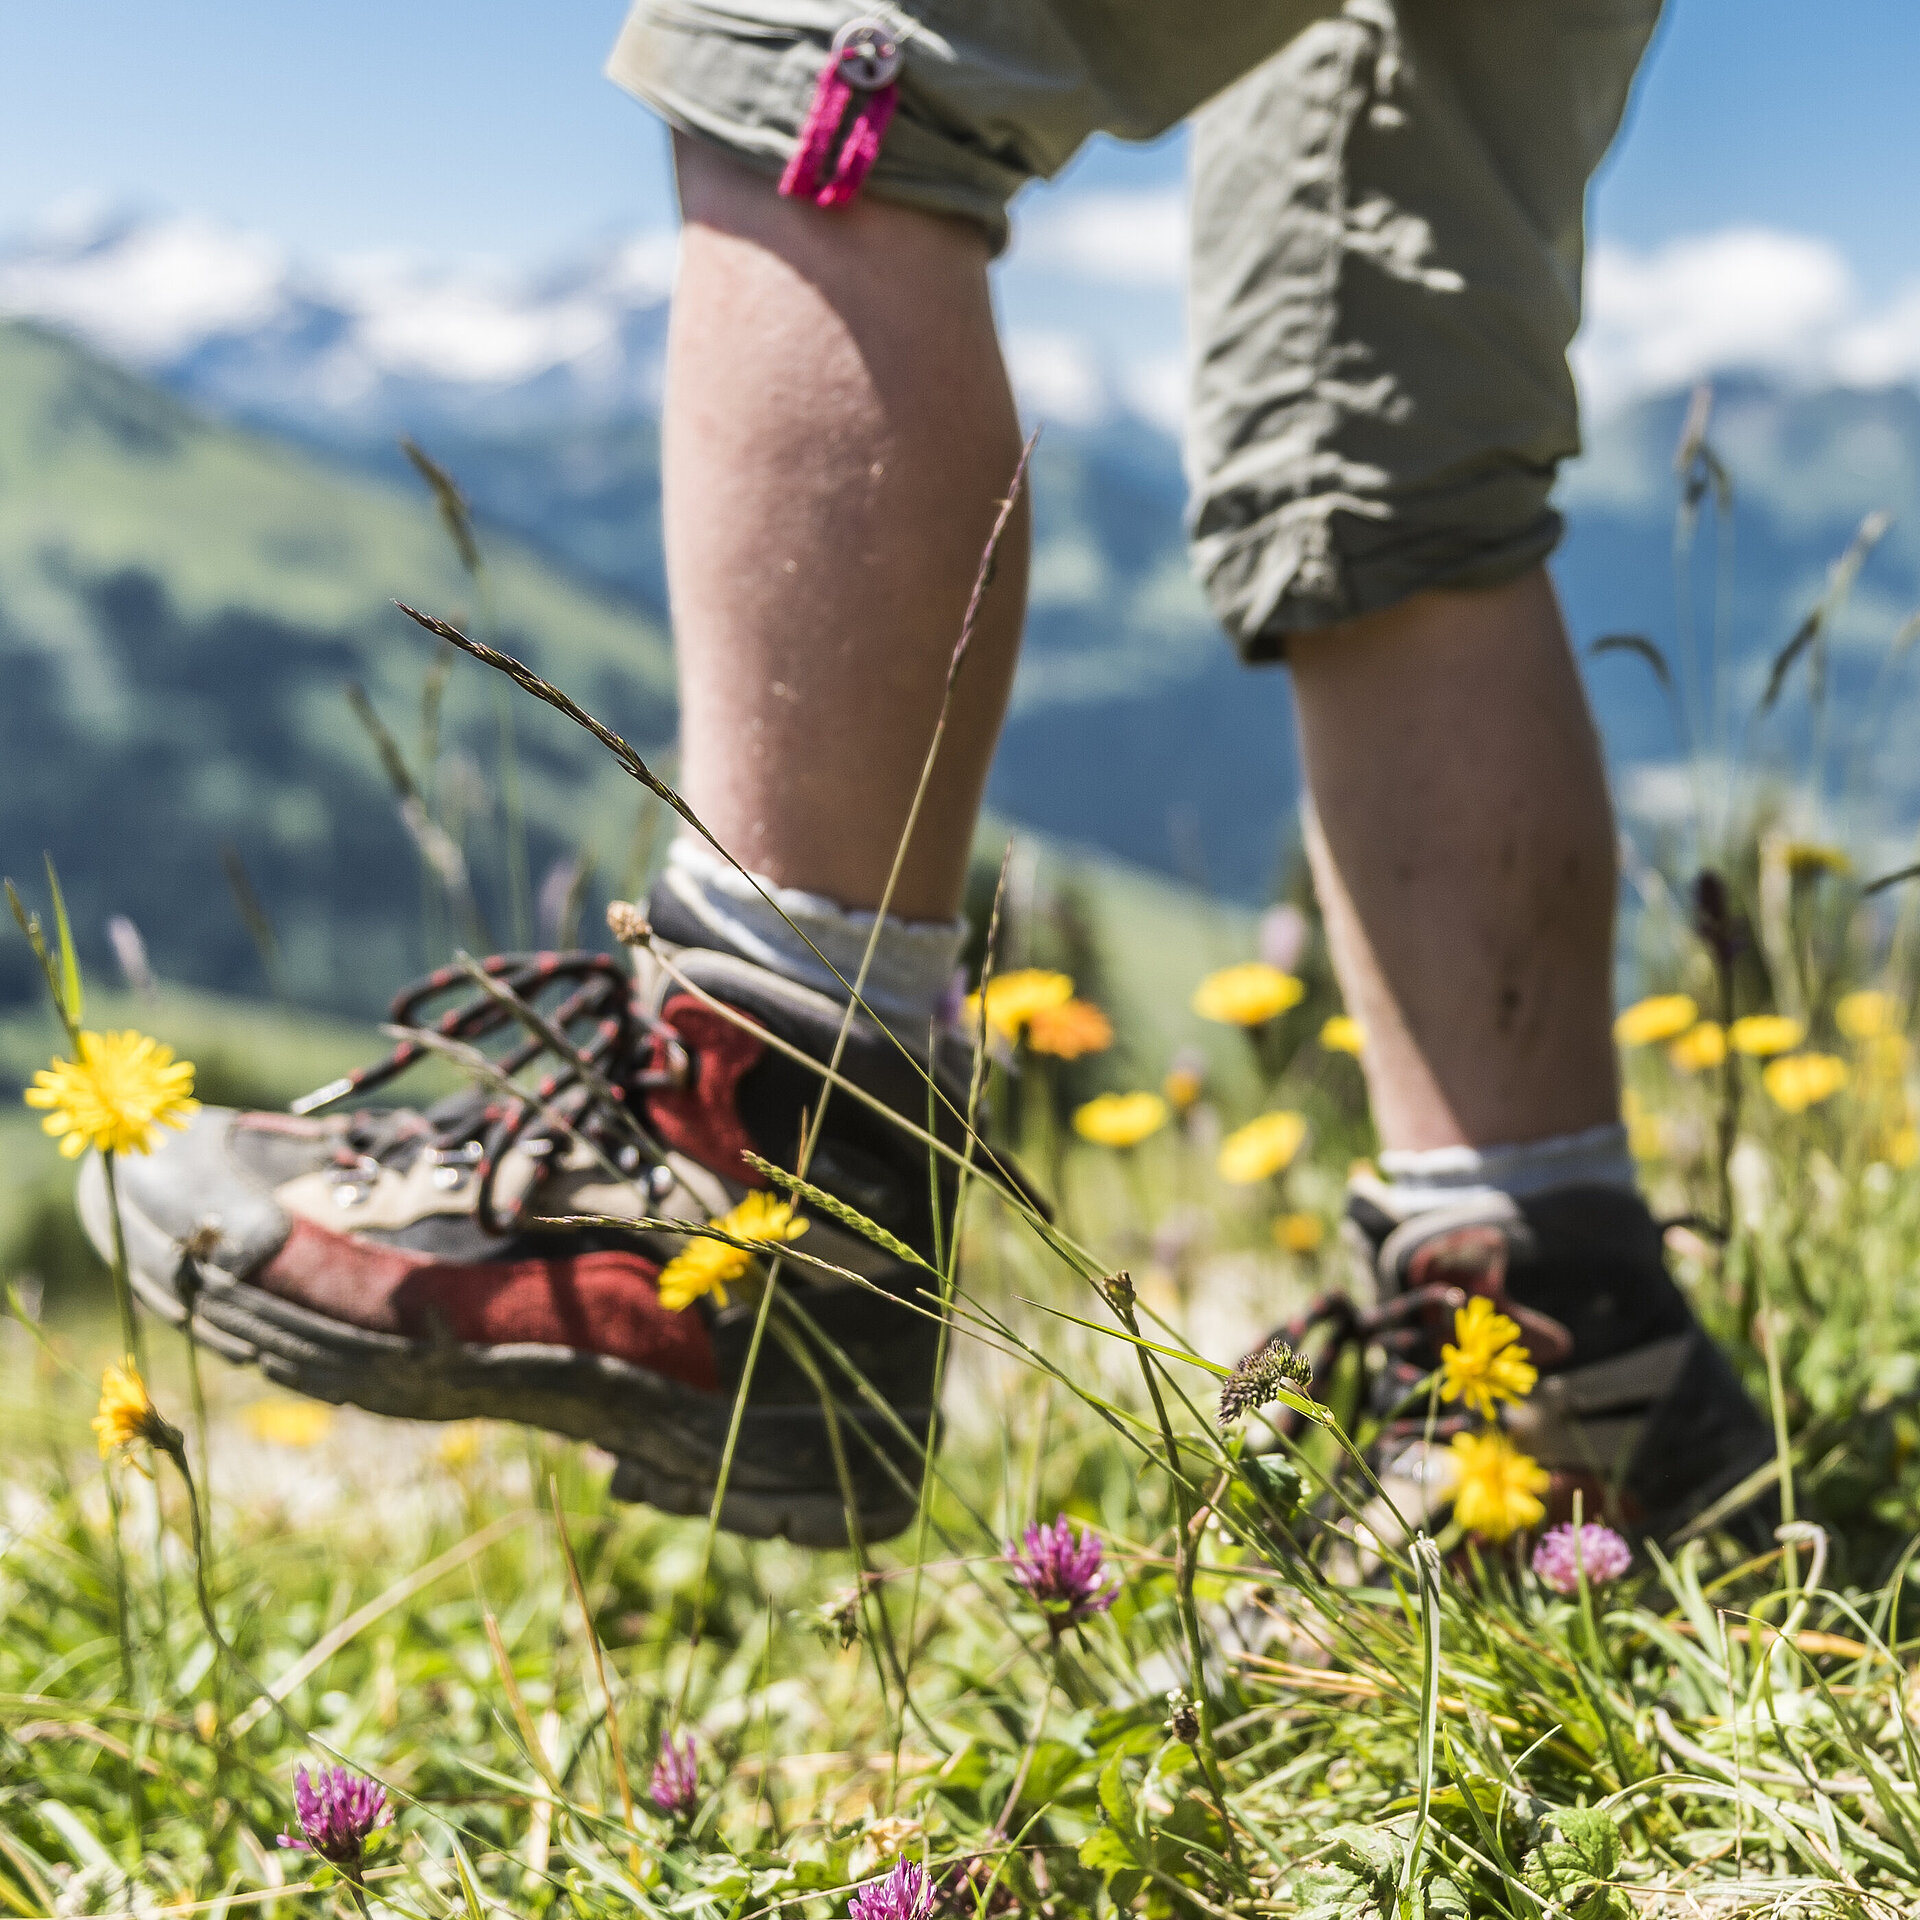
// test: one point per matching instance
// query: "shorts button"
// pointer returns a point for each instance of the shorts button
(867, 54)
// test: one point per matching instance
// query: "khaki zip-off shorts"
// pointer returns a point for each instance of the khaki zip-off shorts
(1386, 252)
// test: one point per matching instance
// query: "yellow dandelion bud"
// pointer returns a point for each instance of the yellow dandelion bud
(1343, 1034)
(116, 1096)
(1248, 995)
(1300, 1232)
(1797, 1081)
(1699, 1047)
(127, 1414)
(1120, 1119)
(1496, 1487)
(1014, 998)
(1865, 1014)
(289, 1423)
(1261, 1148)
(705, 1265)
(1762, 1034)
(1067, 1031)
(1663, 1017)
(1485, 1365)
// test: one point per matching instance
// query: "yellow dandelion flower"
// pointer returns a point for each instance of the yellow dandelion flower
(1663, 1017)
(127, 1414)
(1485, 1365)
(1797, 1081)
(115, 1097)
(1761, 1034)
(1866, 1014)
(1343, 1034)
(1014, 998)
(1807, 858)
(1699, 1047)
(705, 1265)
(1885, 1056)
(459, 1445)
(1261, 1148)
(1902, 1149)
(1496, 1487)
(1183, 1086)
(289, 1423)
(1300, 1232)
(1248, 995)
(1120, 1119)
(1067, 1031)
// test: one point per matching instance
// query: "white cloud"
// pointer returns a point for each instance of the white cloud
(1057, 377)
(148, 292)
(1740, 299)
(1155, 387)
(1123, 239)
(156, 291)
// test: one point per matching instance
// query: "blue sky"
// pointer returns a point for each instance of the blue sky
(1756, 214)
(482, 125)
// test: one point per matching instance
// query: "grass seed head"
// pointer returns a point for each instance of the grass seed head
(1256, 1382)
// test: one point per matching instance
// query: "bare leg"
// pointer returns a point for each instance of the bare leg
(838, 435)
(1463, 849)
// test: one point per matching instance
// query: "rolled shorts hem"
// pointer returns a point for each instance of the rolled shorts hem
(1309, 566)
(765, 78)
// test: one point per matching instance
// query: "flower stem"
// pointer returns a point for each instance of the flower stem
(122, 1286)
(1183, 1562)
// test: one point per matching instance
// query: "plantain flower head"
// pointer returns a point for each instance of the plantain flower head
(116, 1096)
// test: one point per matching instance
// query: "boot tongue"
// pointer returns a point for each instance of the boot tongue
(1452, 1253)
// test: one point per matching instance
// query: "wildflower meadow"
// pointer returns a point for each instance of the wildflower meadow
(1157, 1638)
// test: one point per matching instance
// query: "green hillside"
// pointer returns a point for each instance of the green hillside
(181, 608)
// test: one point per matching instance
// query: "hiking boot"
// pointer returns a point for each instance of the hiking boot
(1636, 1409)
(418, 1263)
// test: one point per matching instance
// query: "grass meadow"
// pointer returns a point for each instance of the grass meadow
(1243, 1691)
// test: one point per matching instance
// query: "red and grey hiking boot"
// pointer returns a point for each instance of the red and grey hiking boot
(1635, 1409)
(417, 1262)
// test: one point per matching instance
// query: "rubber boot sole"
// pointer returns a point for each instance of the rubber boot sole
(668, 1439)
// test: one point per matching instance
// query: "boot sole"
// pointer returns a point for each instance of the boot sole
(668, 1439)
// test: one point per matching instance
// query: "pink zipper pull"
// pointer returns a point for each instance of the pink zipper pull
(863, 68)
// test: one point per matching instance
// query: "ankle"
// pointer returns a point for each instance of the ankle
(702, 900)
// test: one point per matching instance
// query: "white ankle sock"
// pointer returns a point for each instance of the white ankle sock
(1443, 1176)
(913, 960)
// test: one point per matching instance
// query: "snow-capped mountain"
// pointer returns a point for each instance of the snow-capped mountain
(359, 347)
(352, 346)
